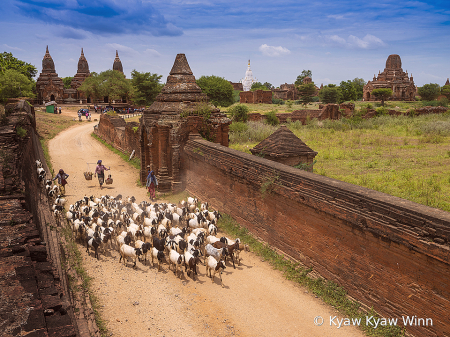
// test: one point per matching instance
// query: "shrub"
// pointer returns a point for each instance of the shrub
(271, 118)
(238, 127)
(239, 113)
(289, 104)
(316, 99)
(255, 132)
(277, 101)
(21, 132)
(382, 111)
(443, 102)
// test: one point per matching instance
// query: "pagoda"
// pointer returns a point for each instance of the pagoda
(78, 79)
(117, 65)
(393, 77)
(49, 86)
(248, 79)
(167, 124)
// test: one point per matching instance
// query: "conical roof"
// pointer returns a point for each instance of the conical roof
(117, 65)
(282, 143)
(181, 92)
(48, 66)
(83, 66)
(446, 83)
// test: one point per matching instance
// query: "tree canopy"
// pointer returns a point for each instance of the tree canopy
(146, 87)
(15, 84)
(330, 94)
(429, 92)
(305, 73)
(259, 86)
(8, 61)
(218, 89)
(306, 93)
(358, 84)
(268, 85)
(445, 90)
(348, 91)
(109, 83)
(382, 94)
(67, 81)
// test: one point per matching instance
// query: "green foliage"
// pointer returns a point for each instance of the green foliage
(67, 81)
(305, 73)
(258, 86)
(218, 89)
(330, 94)
(109, 83)
(306, 93)
(429, 92)
(381, 111)
(239, 113)
(238, 127)
(305, 166)
(236, 97)
(289, 104)
(8, 61)
(277, 101)
(271, 118)
(445, 90)
(269, 183)
(443, 102)
(146, 87)
(358, 84)
(15, 84)
(382, 94)
(348, 91)
(21, 132)
(255, 132)
(268, 85)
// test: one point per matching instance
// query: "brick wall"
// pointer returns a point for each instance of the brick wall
(35, 300)
(387, 252)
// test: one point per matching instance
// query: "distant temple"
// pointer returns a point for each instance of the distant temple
(248, 79)
(50, 87)
(393, 77)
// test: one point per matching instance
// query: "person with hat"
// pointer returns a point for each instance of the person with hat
(100, 171)
(152, 183)
(62, 182)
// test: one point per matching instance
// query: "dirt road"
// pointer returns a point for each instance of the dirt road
(255, 299)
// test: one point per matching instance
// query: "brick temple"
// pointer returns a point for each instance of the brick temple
(168, 123)
(393, 77)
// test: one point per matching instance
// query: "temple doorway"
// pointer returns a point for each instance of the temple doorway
(52, 97)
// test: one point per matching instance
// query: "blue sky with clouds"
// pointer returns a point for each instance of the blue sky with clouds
(336, 40)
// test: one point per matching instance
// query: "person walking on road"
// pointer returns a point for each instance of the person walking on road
(151, 184)
(100, 172)
(62, 180)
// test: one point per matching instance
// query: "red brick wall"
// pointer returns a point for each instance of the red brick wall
(387, 252)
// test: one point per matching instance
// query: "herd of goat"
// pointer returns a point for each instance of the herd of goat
(182, 235)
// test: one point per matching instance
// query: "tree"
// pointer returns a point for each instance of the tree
(15, 84)
(67, 81)
(8, 61)
(358, 84)
(218, 89)
(146, 87)
(330, 94)
(306, 93)
(109, 83)
(445, 90)
(429, 92)
(382, 94)
(305, 73)
(258, 86)
(268, 85)
(348, 91)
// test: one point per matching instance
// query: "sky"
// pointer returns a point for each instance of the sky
(336, 40)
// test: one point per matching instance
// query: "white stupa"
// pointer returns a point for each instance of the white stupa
(248, 80)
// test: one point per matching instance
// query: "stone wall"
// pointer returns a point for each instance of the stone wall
(35, 300)
(388, 253)
(257, 96)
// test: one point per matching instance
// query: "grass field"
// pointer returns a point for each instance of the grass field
(408, 157)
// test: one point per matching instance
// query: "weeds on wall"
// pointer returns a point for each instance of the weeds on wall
(269, 184)
(328, 291)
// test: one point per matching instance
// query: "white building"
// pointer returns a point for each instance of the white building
(248, 80)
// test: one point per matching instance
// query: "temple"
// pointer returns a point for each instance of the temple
(248, 79)
(394, 78)
(77, 81)
(117, 65)
(49, 86)
(172, 118)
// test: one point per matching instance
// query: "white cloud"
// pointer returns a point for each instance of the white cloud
(337, 17)
(121, 48)
(367, 42)
(273, 51)
(152, 52)
(13, 48)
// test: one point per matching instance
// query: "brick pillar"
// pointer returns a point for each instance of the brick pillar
(164, 181)
(144, 155)
(176, 164)
(225, 131)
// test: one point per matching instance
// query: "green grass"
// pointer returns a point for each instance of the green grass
(401, 156)
(328, 291)
(135, 161)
